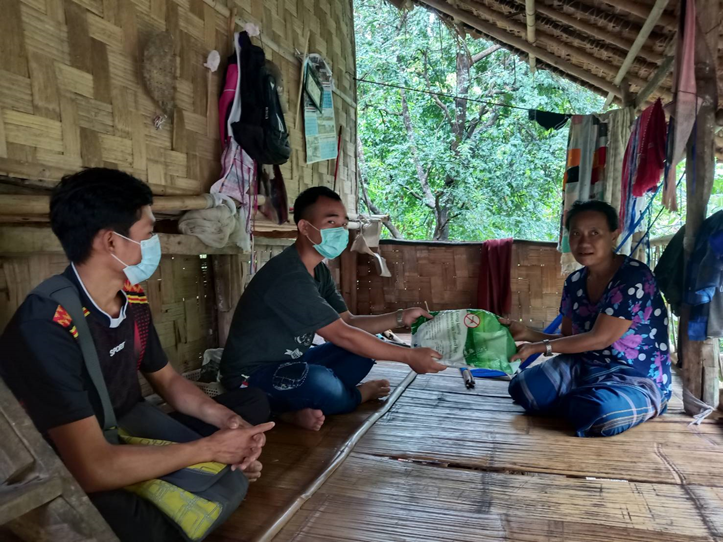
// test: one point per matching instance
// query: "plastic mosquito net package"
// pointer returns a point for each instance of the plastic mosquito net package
(467, 337)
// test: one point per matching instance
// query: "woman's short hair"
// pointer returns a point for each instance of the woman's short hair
(611, 215)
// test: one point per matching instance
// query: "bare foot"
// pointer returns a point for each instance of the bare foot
(307, 418)
(253, 471)
(374, 389)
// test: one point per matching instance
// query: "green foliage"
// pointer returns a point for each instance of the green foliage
(505, 180)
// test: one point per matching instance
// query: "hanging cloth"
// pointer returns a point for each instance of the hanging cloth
(686, 101)
(548, 120)
(237, 182)
(494, 292)
(271, 185)
(229, 103)
(593, 170)
(645, 155)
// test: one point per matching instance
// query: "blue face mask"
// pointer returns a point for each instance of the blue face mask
(150, 258)
(333, 241)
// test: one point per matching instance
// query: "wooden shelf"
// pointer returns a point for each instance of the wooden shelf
(28, 240)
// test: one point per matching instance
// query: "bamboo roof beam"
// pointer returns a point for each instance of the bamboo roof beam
(556, 32)
(523, 56)
(596, 32)
(609, 22)
(530, 20)
(521, 44)
(655, 14)
(642, 11)
(509, 28)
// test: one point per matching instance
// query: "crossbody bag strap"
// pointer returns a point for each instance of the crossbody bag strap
(64, 292)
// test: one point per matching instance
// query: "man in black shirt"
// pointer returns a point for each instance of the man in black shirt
(104, 221)
(293, 297)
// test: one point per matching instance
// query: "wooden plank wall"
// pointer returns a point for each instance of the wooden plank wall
(71, 92)
(181, 296)
(445, 275)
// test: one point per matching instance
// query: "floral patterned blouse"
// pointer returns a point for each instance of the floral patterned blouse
(633, 295)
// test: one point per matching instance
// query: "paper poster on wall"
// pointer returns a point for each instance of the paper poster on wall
(319, 122)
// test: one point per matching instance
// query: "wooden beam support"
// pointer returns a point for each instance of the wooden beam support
(700, 358)
(655, 14)
(349, 275)
(30, 241)
(655, 81)
(13, 205)
(513, 41)
(530, 21)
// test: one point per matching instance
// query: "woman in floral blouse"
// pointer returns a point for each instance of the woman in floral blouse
(613, 371)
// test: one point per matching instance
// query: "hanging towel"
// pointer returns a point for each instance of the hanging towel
(548, 120)
(494, 293)
(647, 150)
(369, 237)
(217, 227)
(686, 101)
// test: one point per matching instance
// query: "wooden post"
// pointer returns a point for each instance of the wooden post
(700, 358)
(229, 275)
(348, 275)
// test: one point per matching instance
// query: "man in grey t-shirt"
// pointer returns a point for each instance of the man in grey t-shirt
(292, 298)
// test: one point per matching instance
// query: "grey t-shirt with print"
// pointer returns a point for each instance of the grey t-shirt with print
(277, 316)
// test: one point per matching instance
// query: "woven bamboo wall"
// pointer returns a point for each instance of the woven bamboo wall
(180, 294)
(71, 94)
(446, 276)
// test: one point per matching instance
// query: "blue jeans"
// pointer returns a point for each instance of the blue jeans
(324, 378)
(599, 400)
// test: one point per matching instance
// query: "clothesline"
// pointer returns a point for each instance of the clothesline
(445, 95)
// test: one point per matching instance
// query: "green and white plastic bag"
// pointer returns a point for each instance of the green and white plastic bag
(467, 338)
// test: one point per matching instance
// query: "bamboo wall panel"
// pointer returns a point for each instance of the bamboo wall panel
(446, 275)
(71, 90)
(180, 294)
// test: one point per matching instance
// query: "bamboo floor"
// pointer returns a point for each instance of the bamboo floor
(450, 464)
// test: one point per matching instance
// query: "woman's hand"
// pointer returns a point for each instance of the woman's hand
(411, 315)
(527, 350)
(519, 331)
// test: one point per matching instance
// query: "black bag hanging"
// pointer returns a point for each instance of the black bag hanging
(261, 130)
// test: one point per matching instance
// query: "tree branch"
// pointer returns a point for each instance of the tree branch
(368, 202)
(436, 99)
(421, 174)
(484, 54)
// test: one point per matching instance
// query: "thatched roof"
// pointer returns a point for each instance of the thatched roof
(586, 41)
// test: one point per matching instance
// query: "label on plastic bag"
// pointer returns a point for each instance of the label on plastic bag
(467, 338)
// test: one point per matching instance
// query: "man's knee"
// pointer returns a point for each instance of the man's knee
(132, 518)
(290, 376)
(256, 407)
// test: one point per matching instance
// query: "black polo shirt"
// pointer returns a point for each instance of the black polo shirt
(41, 360)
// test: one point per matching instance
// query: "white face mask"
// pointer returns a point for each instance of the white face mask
(150, 258)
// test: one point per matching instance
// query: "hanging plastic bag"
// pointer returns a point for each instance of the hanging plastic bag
(467, 338)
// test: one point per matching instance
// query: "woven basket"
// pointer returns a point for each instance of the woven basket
(212, 389)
